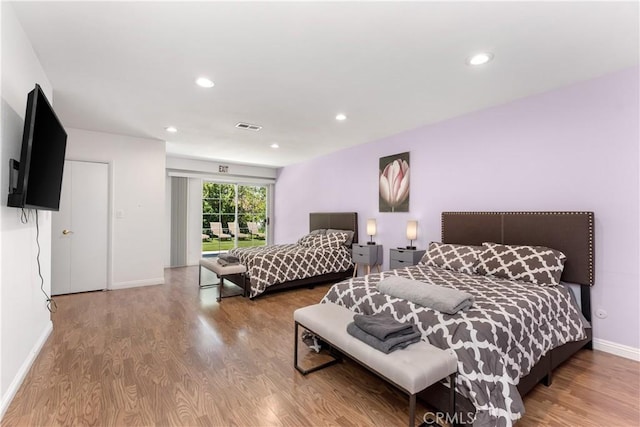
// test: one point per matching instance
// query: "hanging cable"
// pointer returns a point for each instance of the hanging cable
(51, 304)
(24, 216)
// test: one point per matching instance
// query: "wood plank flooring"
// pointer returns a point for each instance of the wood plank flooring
(172, 355)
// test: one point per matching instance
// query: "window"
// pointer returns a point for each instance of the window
(233, 216)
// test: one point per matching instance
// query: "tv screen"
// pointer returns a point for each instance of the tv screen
(44, 142)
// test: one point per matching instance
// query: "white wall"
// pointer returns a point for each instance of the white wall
(138, 230)
(211, 169)
(24, 320)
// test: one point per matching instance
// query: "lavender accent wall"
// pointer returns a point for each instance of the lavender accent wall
(574, 148)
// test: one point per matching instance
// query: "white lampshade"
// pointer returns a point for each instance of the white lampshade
(412, 230)
(371, 227)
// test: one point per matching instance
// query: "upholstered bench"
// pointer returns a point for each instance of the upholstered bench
(411, 369)
(221, 271)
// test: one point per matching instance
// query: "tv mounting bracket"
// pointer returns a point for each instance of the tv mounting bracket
(14, 167)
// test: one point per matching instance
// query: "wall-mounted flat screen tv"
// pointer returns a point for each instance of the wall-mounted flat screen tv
(39, 173)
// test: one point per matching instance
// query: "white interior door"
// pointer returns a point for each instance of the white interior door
(79, 229)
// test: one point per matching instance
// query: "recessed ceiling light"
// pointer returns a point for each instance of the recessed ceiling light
(341, 117)
(275, 146)
(171, 129)
(480, 58)
(204, 82)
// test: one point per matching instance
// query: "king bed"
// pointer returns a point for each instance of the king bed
(322, 256)
(517, 331)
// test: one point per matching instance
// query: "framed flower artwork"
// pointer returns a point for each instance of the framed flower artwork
(394, 183)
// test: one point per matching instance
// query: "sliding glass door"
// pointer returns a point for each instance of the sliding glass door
(233, 216)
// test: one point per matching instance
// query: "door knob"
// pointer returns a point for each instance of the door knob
(65, 232)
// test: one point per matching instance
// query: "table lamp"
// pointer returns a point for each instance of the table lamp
(371, 230)
(412, 233)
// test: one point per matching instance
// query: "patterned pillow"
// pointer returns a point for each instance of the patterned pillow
(325, 241)
(349, 234)
(304, 239)
(461, 258)
(307, 237)
(534, 264)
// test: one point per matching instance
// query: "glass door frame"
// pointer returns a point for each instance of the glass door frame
(268, 205)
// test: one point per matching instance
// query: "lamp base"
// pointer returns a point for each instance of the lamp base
(371, 243)
(413, 248)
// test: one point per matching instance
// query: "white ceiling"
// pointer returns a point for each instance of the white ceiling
(129, 67)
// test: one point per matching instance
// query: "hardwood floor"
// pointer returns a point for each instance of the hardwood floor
(172, 355)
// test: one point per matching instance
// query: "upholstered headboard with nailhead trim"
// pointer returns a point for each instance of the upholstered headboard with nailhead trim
(569, 232)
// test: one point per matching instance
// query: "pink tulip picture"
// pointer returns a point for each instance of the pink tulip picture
(394, 183)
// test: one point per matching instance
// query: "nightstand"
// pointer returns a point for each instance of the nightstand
(399, 258)
(369, 255)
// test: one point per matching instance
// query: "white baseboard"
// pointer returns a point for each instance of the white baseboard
(24, 369)
(137, 283)
(621, 350)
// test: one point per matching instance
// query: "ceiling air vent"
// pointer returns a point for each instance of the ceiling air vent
(248, 126)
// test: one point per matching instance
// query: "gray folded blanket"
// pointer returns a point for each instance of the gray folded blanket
(225, 259)
(386, 346)
(229, 258)
(382, 325)
(439, 298)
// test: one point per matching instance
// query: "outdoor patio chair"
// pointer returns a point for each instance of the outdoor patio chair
(217, 231)
(255, 230)
(235, 230)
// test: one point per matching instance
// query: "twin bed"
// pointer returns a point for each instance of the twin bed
(511, 339)
(318, 258)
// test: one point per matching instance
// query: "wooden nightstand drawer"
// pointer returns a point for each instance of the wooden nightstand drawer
(365, 254)
(399, 258)
(397, 263)
(364, 258)
(402, 254)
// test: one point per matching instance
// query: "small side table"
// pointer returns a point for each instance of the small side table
(369, 255)
(399, 257)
